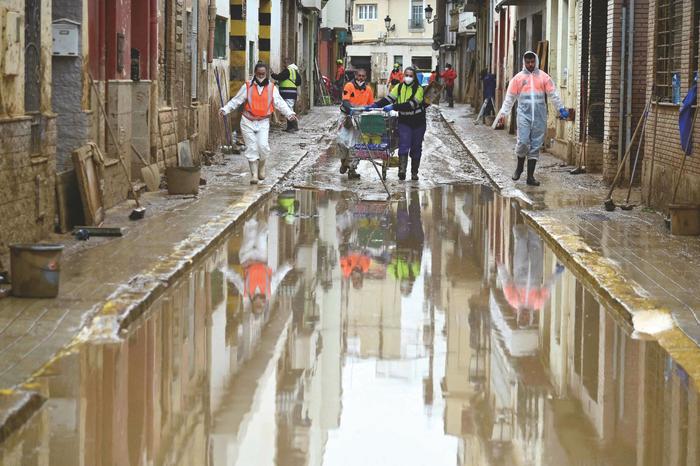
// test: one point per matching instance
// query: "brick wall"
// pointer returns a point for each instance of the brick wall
(668, 160)
(612, 101)
(27, 182)
(662, 135)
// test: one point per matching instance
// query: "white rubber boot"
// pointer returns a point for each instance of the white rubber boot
(261, 169)
(253, 172)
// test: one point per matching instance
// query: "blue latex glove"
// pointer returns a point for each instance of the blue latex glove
(563, 113)
(388, 108)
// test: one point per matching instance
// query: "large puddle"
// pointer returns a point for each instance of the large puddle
(436, 330)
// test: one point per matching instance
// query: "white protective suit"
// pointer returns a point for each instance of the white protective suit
(530, 89)
(256, 132)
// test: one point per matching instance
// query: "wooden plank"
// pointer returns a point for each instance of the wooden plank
(68, 200)
(89, 185)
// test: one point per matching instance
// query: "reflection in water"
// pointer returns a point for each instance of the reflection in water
(435, 330)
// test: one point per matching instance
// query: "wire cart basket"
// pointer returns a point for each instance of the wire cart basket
(379, 140)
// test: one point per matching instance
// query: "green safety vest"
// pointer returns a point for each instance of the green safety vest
(291, 82)
(402, 93)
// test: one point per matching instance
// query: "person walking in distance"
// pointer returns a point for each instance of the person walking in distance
(260, 97)
(289, 80)
(448, 77)
(396, 76)
(529, 87)
(339, 79)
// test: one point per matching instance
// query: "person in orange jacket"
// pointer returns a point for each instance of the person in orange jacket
(339, 79)
(261, 98)
(396, 76)
(357, 93)
(448, 77)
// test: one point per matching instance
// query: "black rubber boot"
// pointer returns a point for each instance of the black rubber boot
(519, 168)
(415, 165)
(531, 173)
(353, 175)
(403, 164)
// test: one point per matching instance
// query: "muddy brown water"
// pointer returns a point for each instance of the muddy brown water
(434, 330)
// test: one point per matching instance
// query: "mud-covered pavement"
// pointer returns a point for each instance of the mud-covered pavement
(432, 328)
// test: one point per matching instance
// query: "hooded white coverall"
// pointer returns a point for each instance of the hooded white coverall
(256, 132)
(530, 89)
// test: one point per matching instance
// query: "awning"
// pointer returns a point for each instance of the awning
(503, 3)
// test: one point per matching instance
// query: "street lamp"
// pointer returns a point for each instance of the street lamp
(387, 24)
(429, 14)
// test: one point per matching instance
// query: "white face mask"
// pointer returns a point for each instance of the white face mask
(408, 79)
(360, 82)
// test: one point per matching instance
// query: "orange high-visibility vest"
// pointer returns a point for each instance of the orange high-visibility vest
(258, 280)
(258, 106)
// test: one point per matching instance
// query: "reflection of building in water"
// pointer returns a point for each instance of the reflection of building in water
(199, 381)
(460, 295)
(373, 309)
(309, 370)
(567, 385)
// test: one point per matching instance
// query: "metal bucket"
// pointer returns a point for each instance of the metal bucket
(183, 180)
(35, 270)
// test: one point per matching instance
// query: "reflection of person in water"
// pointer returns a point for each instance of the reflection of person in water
(355, 265)
(354, 234)
(525, 290)
(287, 206)
(259, 282)
(405, 263)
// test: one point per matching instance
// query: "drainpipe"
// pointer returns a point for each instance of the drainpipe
(621, 111)
(630, 61)
(212, 28)
(153, 41)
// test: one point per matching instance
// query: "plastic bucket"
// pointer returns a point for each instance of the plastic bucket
(183, 180)
(35, 270)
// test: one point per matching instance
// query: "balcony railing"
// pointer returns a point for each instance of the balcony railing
(416, 24)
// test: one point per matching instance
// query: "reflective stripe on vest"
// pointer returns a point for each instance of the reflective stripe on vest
(258, 106)
(291, 81)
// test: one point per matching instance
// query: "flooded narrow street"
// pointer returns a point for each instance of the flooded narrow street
(436, 329)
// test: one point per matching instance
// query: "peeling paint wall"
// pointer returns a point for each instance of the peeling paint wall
(27, 141)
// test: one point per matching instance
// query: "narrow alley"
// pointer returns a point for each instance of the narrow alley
(341, 233)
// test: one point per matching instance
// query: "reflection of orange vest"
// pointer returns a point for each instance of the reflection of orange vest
(352, 262)
(258, 106)
(526, 298)
(258, 280)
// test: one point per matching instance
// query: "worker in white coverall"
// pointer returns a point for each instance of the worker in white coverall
(261, 97)
(529, 88)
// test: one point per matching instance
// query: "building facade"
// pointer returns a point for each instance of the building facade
(602, 54)
(407, 39)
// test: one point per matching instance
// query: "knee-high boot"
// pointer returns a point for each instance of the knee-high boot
(531, 163)
(415, 165)
(403, 164)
